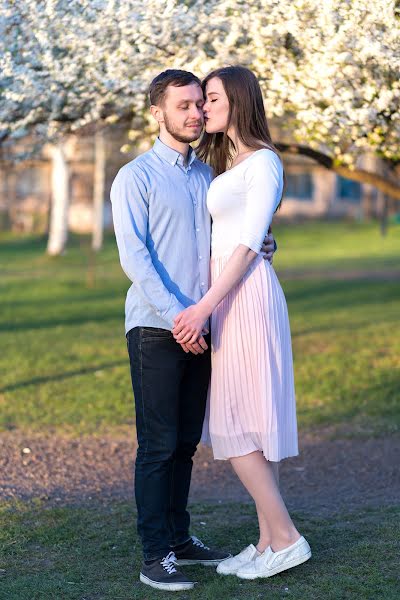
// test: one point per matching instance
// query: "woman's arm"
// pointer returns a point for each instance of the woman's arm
(190, 322)
(263, 181)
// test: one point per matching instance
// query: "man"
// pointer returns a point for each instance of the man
(162, 228)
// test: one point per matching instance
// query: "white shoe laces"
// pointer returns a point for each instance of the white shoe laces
(169, 562)
(199, 543)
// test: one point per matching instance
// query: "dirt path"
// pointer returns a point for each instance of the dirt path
(328, 476)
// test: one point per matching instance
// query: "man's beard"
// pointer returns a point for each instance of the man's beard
(179, 137)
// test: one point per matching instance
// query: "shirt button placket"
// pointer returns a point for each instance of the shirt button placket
(197, 231)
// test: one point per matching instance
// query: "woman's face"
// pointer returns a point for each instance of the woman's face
(216, 107)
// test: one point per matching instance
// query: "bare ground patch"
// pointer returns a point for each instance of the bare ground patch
(328, 475)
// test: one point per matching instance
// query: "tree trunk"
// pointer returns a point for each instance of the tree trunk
(11, 198)
(58, 230)
(384, 204)
(368, 203)
(369, 194)
(98, 189)
(384, 213)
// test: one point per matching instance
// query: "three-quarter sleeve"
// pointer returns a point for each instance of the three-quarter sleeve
(264, 181)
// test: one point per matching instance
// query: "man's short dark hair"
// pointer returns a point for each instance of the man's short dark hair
(176, 77)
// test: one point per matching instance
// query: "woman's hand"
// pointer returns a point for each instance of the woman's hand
(189, 324)
(268, 247)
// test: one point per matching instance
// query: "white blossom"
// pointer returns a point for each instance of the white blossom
(330, 71)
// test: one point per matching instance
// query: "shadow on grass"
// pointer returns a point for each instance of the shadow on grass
(25, 244)
(349, 327)
(87, 295)
(15, 244)
(64, 303)
(60, 376)
(307, 296)
(325, 295)
(104, 317)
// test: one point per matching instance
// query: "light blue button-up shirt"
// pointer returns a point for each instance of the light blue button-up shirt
(162, 227)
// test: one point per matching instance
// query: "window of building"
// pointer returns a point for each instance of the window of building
(299, 186)
(347, 190)
(28, 182)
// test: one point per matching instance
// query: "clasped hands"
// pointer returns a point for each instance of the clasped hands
(189, 325)
(189, 329)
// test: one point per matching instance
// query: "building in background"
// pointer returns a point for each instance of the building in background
(312, 191)
(25, 188)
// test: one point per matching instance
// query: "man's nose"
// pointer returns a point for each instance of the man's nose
(196, 112)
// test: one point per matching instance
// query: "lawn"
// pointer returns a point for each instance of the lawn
(63, 368)
(337, 245)
(64, 364)
(92, 553)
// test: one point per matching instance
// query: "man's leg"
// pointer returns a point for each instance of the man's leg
(157, 368)
(190, 550)
(192, 404)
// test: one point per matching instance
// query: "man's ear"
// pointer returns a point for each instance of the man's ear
(157, 113)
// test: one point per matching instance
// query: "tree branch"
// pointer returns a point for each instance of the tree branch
(378, 181)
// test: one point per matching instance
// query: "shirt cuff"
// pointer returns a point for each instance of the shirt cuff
(171, 313)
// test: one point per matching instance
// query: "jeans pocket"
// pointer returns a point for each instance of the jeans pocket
(154, 333)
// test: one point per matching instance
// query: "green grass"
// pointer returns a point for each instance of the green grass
(93, 553)
(337, 245)
(64, 366)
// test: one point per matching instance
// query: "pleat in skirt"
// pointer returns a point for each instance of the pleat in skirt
(251, 403)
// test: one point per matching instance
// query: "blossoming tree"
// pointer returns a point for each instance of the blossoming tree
(329, 70)
(67, 64)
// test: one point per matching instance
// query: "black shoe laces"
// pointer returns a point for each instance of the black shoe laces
(168, 563)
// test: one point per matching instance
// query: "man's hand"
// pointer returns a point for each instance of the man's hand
(197, 348)
(268, 247)
(189, 324)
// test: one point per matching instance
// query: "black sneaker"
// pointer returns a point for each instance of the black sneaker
(162, 575)
(196, 553)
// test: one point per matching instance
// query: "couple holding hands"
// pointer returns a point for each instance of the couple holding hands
(207, 332)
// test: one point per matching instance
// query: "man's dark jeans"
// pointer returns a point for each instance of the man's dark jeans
(170, 389)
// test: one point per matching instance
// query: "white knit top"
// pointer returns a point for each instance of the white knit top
(242, 202)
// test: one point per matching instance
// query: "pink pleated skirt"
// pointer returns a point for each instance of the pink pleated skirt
(251, 401)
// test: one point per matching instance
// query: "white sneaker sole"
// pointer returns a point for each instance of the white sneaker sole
(205, 563)
(231, 571)
(293, 563)
(168, 587)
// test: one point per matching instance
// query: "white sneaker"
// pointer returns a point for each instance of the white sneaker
(231, 565)
(269, 563)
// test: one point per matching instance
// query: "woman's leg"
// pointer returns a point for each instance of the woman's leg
(258, 476)
(265, 533)
(275, 470)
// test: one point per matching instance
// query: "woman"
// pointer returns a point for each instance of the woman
(252, 412)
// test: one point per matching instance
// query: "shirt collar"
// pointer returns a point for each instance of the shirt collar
(173, 156)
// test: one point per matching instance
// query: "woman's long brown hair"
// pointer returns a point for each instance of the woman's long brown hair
(246, 112)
